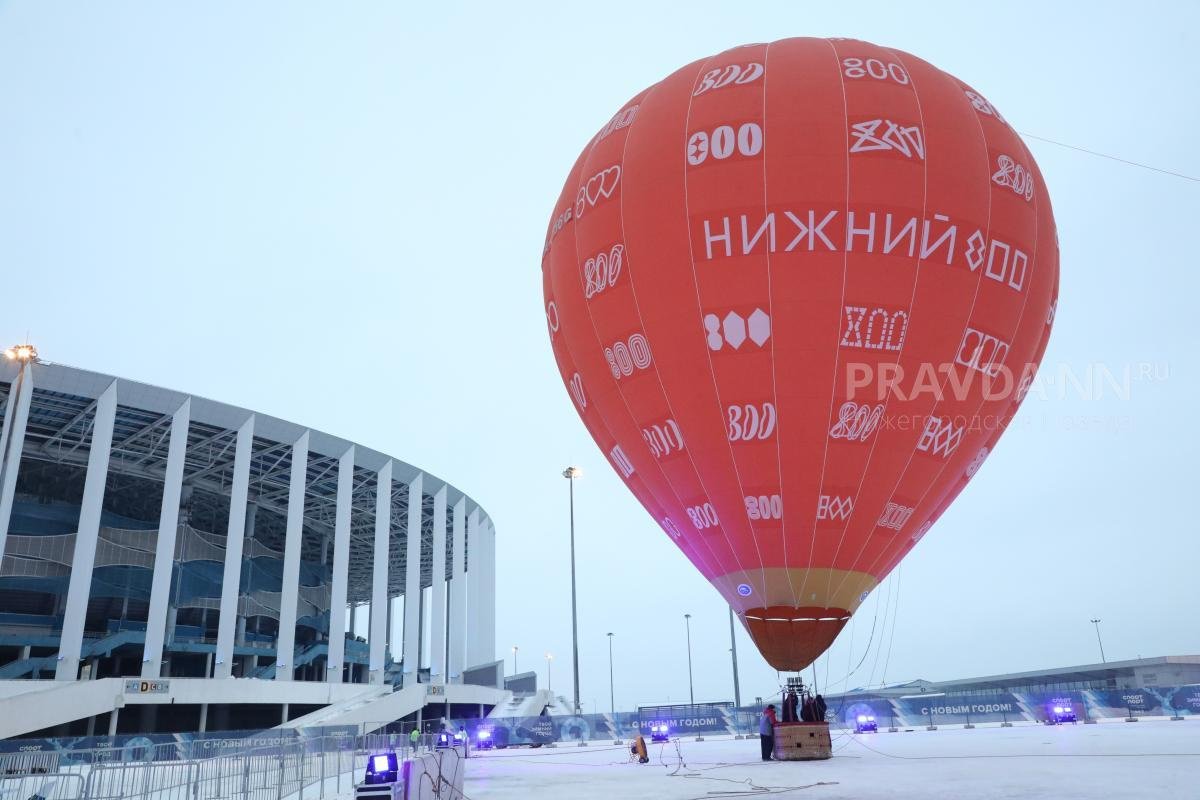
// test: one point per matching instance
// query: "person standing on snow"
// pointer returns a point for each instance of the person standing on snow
(766, 732)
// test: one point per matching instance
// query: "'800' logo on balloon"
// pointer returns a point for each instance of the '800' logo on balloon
(628, 356)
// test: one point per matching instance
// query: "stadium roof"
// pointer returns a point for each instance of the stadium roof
(1083, 672)
(59, 432)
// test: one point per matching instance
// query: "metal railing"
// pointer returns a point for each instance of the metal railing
(306, 768)
(46, 785)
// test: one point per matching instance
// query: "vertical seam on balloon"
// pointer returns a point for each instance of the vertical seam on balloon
(1019, 317)
(970, 314)
(641, 323)
(714, 565)
(571, 357)
(912, 298)
(717, 571)
(708, 354)
(837, 333)
(1024, 303)
(783, 530)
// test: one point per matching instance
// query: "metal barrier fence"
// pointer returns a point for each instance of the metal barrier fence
(47, 785)
(311, 768)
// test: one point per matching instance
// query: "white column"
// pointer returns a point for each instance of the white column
(164, 550)
(341, 568)
(286, 640)
(412, 582)
(379, 584)
(487, 596)
(12, 443)
(437, 613)
(234, 536)
(82, 563)
(456, 616)
(474, 573)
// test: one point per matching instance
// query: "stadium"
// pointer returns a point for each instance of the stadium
(178, 564)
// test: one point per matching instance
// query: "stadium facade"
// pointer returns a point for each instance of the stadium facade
(192, 545)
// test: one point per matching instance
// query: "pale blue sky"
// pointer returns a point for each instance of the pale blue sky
(334, 213)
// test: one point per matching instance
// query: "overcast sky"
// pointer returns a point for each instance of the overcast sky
(334, 214)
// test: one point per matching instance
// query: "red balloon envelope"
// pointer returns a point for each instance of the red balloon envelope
(796, 291)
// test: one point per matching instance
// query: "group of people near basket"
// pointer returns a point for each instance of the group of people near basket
(811, 710)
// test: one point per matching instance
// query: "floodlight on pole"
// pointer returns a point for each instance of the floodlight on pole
(612, 697)
(25, 353)
(687, 621)
(571, 473)
(1096, 622)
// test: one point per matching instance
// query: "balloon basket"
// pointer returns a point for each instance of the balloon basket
(802, 741)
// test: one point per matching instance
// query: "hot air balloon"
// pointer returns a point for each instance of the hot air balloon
(796, 291)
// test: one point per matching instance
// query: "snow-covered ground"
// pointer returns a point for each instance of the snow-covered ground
(1146, 759)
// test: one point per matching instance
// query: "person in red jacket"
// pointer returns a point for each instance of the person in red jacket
(766, 732)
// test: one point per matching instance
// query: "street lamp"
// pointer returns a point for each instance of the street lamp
(687, 621)
(514, 659)
(612, 701)
(737, 691)
(1096, 622)
(549, 658)
(571, 473)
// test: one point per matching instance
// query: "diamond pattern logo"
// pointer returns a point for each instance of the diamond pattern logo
(735, 330)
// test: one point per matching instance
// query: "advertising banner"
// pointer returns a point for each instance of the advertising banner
(940, 709)
(1122, 702)
(682, 719)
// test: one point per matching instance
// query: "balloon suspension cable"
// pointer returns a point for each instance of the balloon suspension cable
(1118, 159)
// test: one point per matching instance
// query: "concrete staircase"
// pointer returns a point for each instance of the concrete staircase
(33, 705)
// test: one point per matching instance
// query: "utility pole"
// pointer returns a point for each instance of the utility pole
(687, 621)
(612, 697)
(1096, 622)
(737, 691)
(571, 473)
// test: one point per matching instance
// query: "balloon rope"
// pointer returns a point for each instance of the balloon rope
(1112, 158)
(892, 637)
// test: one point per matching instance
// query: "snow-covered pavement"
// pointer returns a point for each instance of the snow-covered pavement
(1147, 759)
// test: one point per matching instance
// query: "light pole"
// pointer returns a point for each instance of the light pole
(737, 691)
(549, 687)
(515, 648)
(1096, 622)
(612, 701)
(687, 621)
(571, 473)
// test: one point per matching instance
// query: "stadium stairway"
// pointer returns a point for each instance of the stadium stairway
(34, 705)
(531, 705)
(304, 657)
(92, 648)
(380, 706)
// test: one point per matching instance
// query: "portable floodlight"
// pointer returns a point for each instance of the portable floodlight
(1060, 715)
(865, 723)
(382, 768)
(383, 779)
(659, 732)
